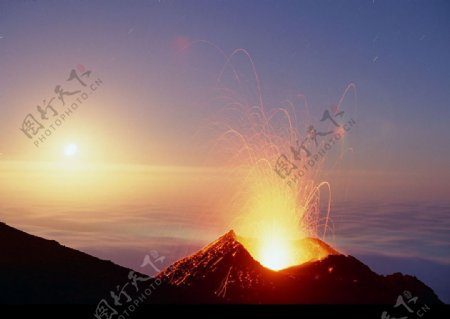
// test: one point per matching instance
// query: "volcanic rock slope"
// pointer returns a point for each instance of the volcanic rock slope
(225, 272)
(36, 270)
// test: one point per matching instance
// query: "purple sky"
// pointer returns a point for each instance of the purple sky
(155, 92)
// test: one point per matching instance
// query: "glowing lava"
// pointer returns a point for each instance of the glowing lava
(277, 203)
(276, 253)
(270, 227)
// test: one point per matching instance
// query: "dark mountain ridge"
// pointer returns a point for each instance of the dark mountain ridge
(36, 270)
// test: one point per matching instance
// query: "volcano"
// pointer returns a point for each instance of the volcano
(224, 272)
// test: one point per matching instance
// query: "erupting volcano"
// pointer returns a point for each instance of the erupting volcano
(277, 160)
(222, 272)
(225, 272)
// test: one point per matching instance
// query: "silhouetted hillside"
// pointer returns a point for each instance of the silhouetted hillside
(36, 270)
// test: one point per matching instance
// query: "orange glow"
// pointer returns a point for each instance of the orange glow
(278, 203)
(271, 221)
(276, 252)
(273, 226)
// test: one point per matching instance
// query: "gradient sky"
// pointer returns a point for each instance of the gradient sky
(395, 52)
(159, 62)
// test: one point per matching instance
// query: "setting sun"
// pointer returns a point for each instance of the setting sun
(71, 150)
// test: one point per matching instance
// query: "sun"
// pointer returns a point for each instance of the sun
(70, 150)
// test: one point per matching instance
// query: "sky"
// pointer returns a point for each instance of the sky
(154, 90)
(164, 72)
